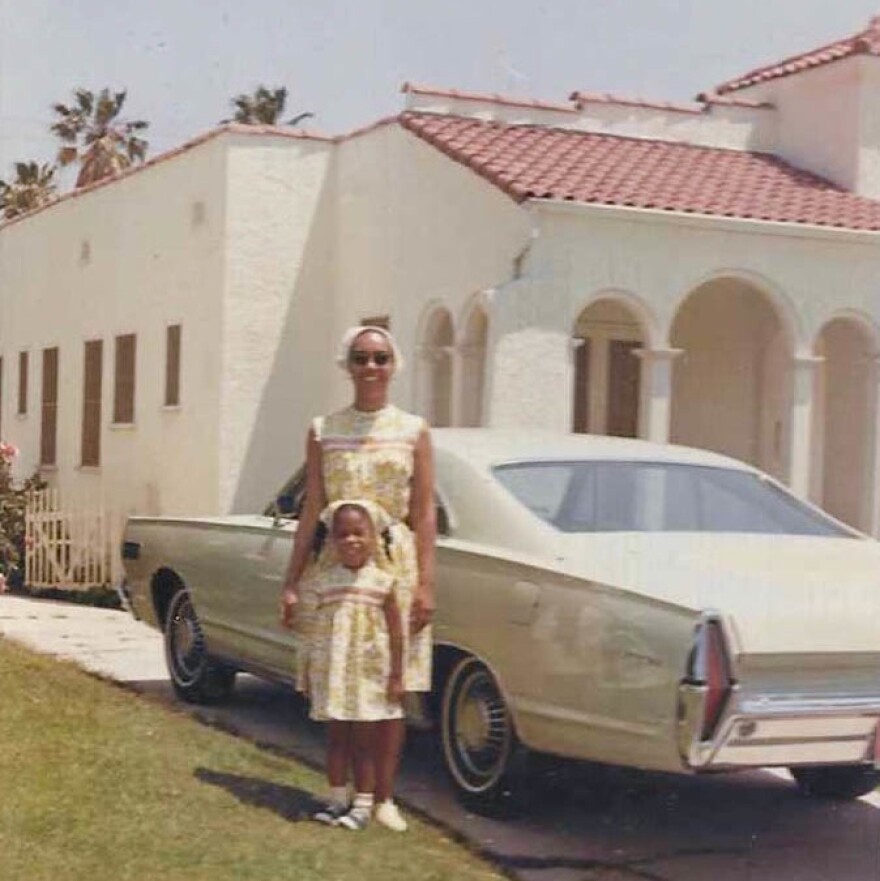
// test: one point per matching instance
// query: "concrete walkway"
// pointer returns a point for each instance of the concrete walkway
(104, 641)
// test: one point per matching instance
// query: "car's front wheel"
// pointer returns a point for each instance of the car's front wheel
(836, 781)
(195, 677)
(484, 758)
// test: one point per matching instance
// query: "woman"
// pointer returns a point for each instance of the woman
(373, 450)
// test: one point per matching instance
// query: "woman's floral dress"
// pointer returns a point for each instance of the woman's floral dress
(350, 660)
(369, 455)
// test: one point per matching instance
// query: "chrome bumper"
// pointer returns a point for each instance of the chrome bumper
(758, 732)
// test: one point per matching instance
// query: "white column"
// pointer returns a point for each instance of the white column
(655, 393)
(872, 476)
(803, 395)
(456, 369)
(599, 370)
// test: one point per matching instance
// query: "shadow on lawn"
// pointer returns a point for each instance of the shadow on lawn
(286, 801)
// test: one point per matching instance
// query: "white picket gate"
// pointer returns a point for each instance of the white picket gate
(69, 546)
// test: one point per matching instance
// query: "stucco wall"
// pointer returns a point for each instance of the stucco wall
(278, 313)
(869, 133)
(130, 257)
(416, 230)
(819, 119)
(730, 127)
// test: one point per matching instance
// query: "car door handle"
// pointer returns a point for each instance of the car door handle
(525, 599)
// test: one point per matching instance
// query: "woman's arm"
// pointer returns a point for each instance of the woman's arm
(423, 520)
(305, 530)
(395, 639)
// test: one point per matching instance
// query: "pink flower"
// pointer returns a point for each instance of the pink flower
(8, 451)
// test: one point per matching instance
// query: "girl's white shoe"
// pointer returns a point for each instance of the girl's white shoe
(388, 814)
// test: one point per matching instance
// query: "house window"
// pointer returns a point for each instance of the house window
(49, 414)
(91, 415)
(123, 388)
(172, 366)
(22, 383)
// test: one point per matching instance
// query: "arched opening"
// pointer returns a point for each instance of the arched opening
(436, 369)
(607, 372)
(473, 367)
(844, 419)
(732, 384)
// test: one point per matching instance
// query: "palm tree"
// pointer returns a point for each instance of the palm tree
(263, 107)
(34, 185)
(95, 136)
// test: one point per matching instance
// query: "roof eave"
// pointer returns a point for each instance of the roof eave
(743, 225)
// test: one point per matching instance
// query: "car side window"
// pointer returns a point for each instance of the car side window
(540, 486)
(442, 516)
(288, 503)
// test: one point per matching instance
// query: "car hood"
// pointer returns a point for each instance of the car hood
(778, 593)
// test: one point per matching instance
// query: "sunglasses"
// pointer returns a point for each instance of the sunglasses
(361, 359)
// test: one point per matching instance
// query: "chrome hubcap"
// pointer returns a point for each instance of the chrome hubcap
(186, 641)
(481, 730)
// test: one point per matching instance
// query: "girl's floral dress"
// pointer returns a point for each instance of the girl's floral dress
(350, 660)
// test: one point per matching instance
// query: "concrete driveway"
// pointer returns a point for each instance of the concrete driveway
(585, 822)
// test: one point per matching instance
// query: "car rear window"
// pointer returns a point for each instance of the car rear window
(615, 496)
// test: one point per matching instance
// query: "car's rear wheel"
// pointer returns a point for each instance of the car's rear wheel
(195, 676)
(836, 781)
(484, 758)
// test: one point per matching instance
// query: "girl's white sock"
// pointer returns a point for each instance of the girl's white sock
(363, 800)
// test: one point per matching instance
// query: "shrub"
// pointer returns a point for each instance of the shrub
(13, 502)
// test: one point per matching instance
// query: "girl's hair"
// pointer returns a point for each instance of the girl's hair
(348, 338)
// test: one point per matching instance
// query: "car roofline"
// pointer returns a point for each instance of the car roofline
(491, 447)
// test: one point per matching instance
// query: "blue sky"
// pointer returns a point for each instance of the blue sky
(344, 60)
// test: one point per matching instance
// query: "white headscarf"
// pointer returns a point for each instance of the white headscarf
(348, 338)
(377, 514)
(381, 521)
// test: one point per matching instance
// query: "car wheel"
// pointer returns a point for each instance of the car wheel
(196, 678)
(836, 781)
(483, 756)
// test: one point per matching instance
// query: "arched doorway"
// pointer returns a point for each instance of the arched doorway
(473, 367)
(844, 420)
(436, 369)
(732, 384)
(607, 335)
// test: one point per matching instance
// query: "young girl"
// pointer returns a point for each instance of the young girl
(354, 674)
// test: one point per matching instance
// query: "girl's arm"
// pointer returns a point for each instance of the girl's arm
(395, 639)
(305, 530)
(423, 520)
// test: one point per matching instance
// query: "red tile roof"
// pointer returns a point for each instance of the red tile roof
(866, 42)
(529, 161)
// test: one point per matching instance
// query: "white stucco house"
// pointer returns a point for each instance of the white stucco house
(707, 274)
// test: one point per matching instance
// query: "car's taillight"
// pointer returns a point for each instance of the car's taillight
(710, 667)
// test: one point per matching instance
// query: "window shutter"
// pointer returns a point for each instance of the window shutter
(22, 383)
(49, 414)
(172, 365)
(91, 419)
(123, 391)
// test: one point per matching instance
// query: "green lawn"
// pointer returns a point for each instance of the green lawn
(101, 785)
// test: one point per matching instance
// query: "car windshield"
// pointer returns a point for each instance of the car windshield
(614, 496)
